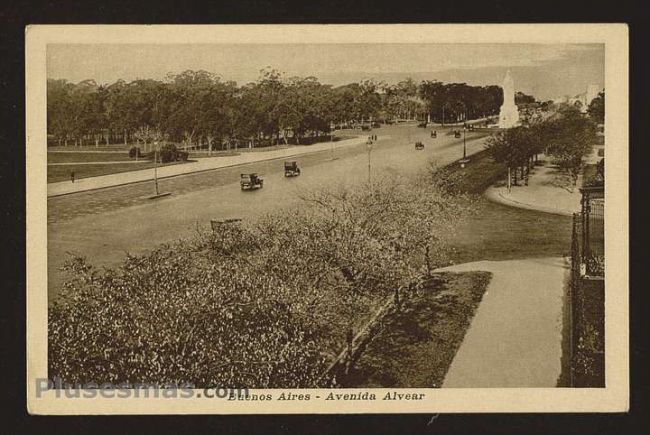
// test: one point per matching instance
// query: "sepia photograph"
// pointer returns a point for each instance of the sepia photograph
(255, 219)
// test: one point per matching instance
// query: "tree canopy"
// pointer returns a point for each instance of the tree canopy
(198, 108)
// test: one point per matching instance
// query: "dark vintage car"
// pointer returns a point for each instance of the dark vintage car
(434, 134)
(457, 134)
(251, 181)
(419, 145)
(291, 169)
(365, 127)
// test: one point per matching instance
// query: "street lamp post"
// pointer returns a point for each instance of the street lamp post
(332, 139)
(464, 160)
(156, 153)
(464, 144)
(155, 166)
(369, 145)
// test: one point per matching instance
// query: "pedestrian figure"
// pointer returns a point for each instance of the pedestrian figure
(72, 176)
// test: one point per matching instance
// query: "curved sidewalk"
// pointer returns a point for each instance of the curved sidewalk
(203, 164)
(542, 194)
(515, 337)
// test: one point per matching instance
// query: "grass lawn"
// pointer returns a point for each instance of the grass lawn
(91, 148)
(480, 173)
(414, 347)
(87, 156)
(499, 232)
(62, 173)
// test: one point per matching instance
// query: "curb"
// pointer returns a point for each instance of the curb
(496, 195)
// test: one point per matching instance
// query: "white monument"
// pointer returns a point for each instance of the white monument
(509, 114)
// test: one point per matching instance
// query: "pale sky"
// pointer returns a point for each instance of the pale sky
(543, 70)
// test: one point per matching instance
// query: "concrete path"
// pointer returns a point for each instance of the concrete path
(515, 337)
(203, 164)
(543, 193)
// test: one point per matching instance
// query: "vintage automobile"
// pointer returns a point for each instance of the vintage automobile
(365, 127)
(419, 145)
(251, 181)
(434, 134)
(291, 169)
(457, 134)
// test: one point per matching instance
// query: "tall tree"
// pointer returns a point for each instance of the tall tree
(596, 108)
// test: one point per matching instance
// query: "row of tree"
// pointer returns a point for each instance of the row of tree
(567, 137)
(197, 108)
(455, 102)
(265, 304)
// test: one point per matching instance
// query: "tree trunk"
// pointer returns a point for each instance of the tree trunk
(509, 179)
(526, 177)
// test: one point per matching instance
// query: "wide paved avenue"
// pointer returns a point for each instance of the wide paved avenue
(105, 237)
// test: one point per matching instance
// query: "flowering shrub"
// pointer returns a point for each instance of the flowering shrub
(263, 304)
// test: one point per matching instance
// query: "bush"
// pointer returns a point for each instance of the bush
(263, 305)
(135, 152)
(157, 321)
(168, 153)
